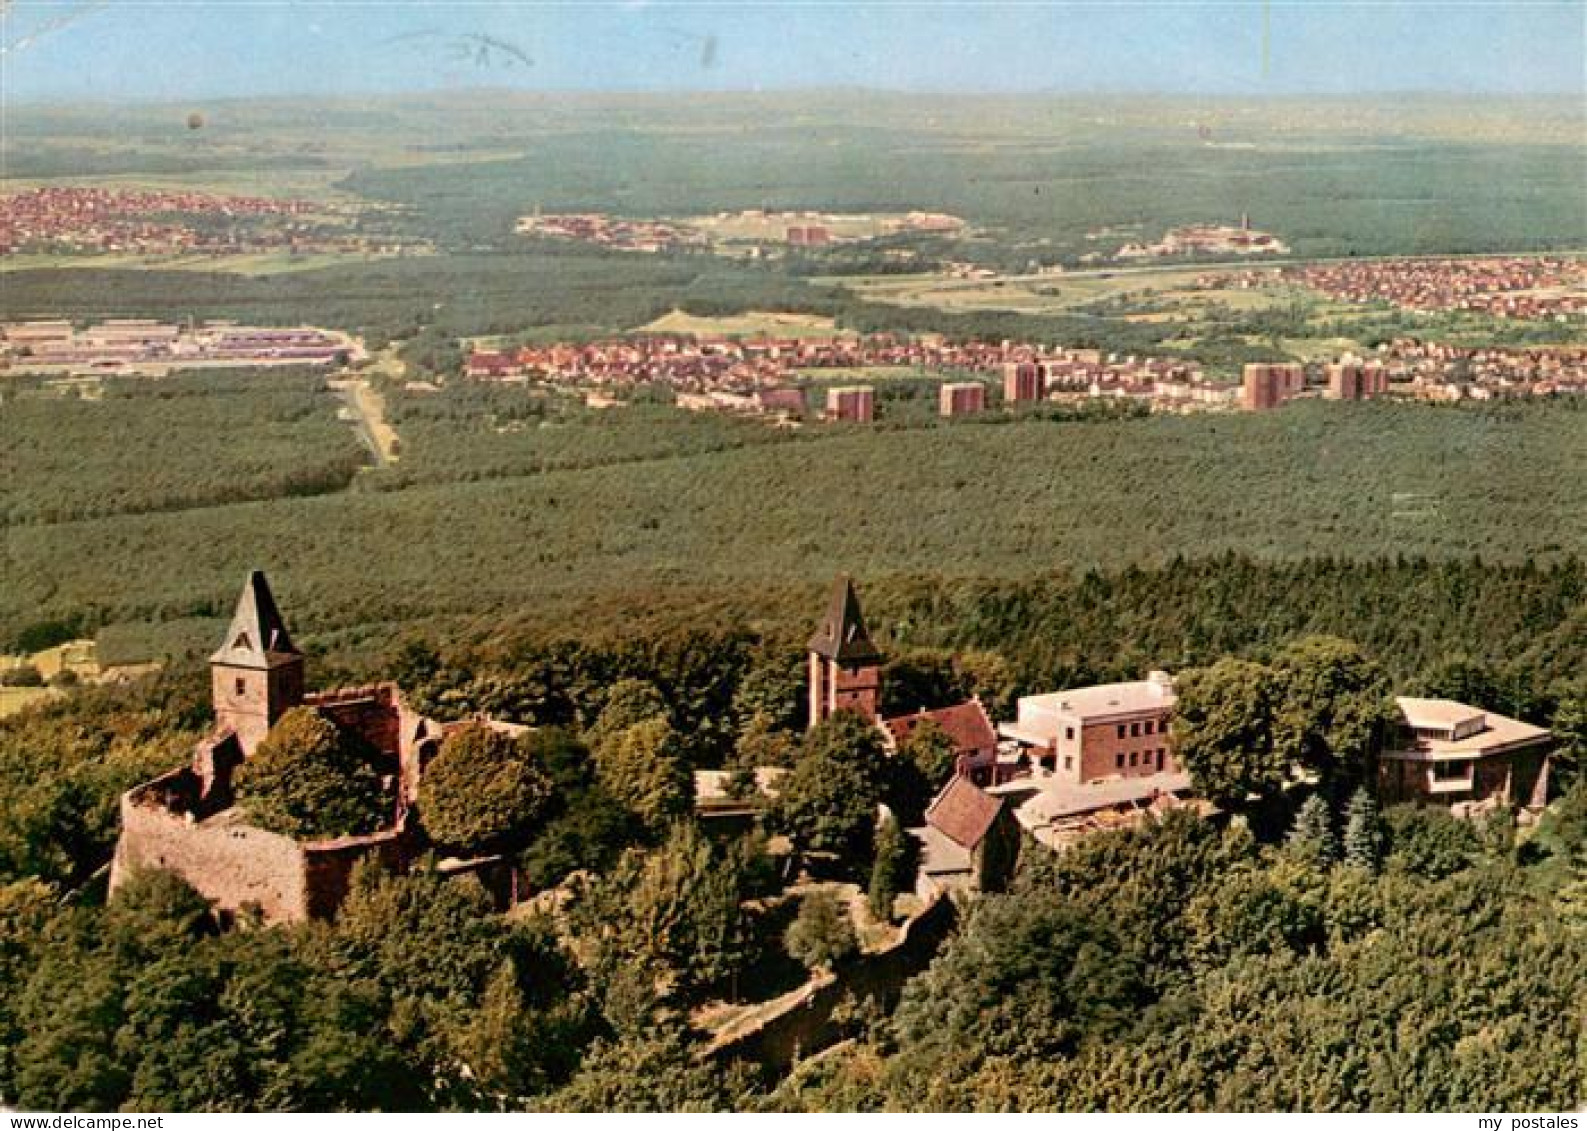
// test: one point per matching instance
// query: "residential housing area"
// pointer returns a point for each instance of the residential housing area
(764, 375)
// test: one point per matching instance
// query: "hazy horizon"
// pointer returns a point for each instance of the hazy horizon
(83, 52)
(596, 96)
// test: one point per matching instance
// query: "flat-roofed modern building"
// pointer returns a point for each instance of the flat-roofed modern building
(1454, 754)
(854, 403)
(1087, 734)
(1023, 381)
(961, 398)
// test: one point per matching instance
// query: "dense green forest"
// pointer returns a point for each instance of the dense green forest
(455, 294)
(194, 440)
(1183, 969)
(1512, 637)
(1327, 200)
(478, 431)
(999, 497)
(1433, 963)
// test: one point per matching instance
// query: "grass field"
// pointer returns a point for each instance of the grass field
(255, 264)
(77, 656)
(754, 323)
(1167, 291)
(14, 699)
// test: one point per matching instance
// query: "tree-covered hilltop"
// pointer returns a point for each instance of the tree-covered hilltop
(1177, 966)
(722, 685)
(1230, 964)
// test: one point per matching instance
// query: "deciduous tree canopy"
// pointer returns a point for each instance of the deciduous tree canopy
(482, 792)
(310, 778)
(1223, 730)
(827, 804)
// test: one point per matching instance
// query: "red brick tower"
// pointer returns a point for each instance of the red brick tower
(845, 667)
(257, 674)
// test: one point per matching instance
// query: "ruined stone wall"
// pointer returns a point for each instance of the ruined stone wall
(383, 717)
(805, 1024)
(229, 863)
(328, 866)
(368, 711)
(234, 864)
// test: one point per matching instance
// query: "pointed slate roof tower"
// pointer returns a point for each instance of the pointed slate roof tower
(258, 635)
(845, 667)
(256, 674)
(842, 637)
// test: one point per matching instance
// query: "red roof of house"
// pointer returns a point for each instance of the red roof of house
(966, 723)
(963, 813)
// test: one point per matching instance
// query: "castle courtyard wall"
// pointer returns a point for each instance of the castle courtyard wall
(229, 863)
(234, 864)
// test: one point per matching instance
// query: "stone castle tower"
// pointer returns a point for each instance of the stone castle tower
(845, 667)
(257, 674)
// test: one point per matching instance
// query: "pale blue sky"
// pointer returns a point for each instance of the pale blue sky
(158, 50)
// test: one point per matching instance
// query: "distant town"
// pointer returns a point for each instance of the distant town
(81, 220)
(1502, 287)
(762, 376)
(1205, 240)
(754, 232)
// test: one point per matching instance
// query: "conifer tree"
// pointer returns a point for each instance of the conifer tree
(888, 872)
(1363, 842)
(823, 934)
(1312, 837)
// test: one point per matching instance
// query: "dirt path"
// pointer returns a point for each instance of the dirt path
(366, 410)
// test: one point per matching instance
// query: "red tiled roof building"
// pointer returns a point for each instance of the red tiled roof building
(972, 732)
